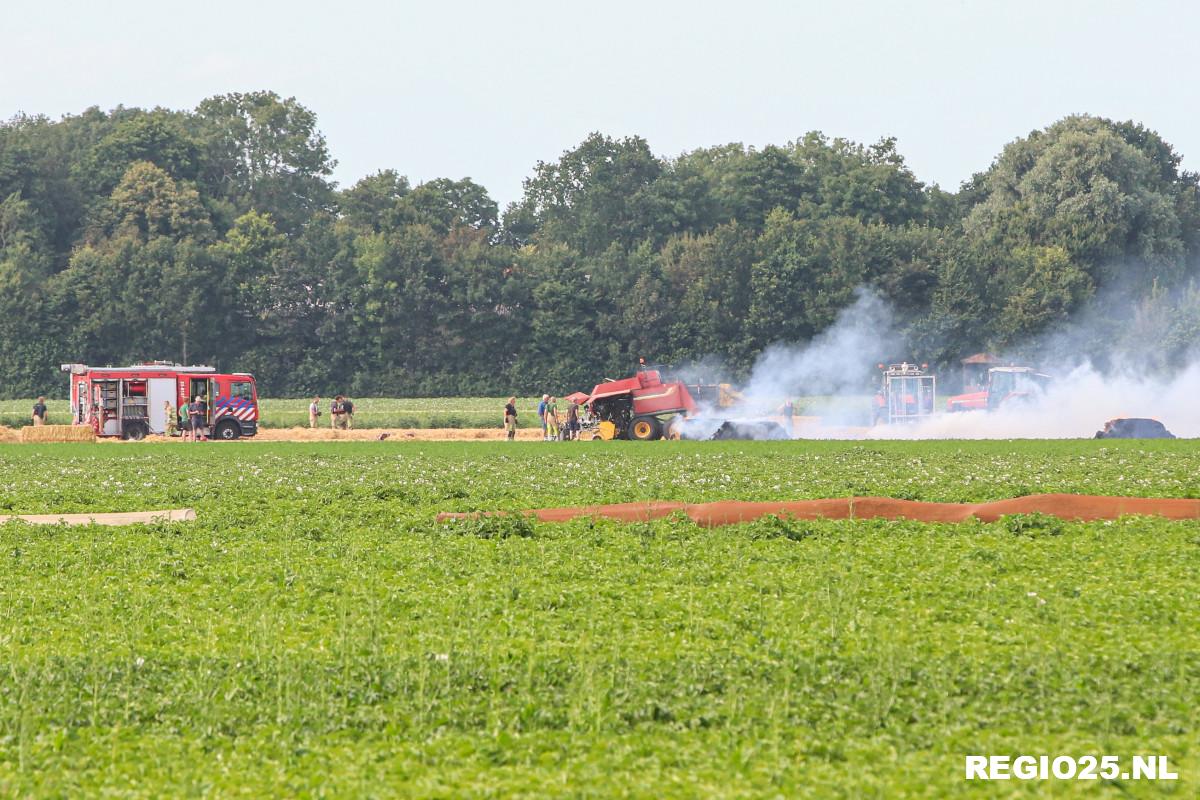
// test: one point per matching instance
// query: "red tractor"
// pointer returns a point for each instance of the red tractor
(1005, 386)
(638, 407)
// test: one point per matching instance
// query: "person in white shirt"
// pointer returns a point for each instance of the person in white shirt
(314, 411)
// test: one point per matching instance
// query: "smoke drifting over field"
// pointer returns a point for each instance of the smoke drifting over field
(837, 362)
(840, 364)
(1077, 404)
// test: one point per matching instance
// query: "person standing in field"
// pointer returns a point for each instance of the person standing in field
(340, 417)
(202, 416)
(183, 420)
(169, 416)
(573, 420)
(335, 408)
(39, 411)
(542, 414)
(204, 412)
(196, 418)
(347, 414)
(314, 411)
(510, 418)
(551, 420)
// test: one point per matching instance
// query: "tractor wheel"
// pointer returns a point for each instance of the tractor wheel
(228, 431)
(134, 432)
(645, 429)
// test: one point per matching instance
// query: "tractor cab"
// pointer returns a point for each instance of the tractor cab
(1005, 385)
(1014, 384)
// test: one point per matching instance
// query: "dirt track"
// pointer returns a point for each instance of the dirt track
(393, 434)
(729, 512)
(12, 435)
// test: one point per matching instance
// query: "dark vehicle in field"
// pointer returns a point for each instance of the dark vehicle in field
(753, 430)
(1134, 428)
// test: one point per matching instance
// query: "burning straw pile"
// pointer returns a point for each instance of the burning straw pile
(37, 434)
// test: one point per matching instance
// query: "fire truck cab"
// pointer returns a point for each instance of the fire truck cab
(906, 393)
(129, 402)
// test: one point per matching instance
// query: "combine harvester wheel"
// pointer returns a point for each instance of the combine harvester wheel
(645, 429)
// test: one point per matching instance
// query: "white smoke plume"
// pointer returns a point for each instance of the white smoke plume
(1076, 405)
(840, 363)
(837, 362)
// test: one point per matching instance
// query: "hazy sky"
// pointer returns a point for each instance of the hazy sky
(484, 90)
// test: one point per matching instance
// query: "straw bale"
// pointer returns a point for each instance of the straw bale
(37, 434)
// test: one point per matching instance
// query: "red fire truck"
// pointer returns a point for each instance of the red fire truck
(129, 402)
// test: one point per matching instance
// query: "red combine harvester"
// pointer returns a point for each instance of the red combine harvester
(1005, 385)
(635, 408)
(128, 401)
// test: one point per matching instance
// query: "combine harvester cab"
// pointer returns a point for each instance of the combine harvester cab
(640, 407)
(1006, 386)
(127, 402)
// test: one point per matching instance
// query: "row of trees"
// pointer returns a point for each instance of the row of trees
(216, 236)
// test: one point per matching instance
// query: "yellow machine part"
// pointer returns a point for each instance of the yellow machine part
(607, 430)
(727, 396)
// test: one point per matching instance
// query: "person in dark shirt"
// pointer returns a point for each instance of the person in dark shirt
(573, 421)
(203, 409)
(341, 417)
(39, 411)
(510, 418)
(198, 412)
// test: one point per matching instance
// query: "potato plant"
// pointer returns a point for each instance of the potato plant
(316, 633)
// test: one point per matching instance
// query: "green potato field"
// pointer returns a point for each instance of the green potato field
(315, 633)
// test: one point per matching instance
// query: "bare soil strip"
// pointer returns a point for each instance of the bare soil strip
(392, 434)
(730, 512)
(12, 435)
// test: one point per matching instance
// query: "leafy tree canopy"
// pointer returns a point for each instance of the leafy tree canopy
(216, 235)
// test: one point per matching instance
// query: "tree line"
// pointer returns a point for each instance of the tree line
(217, 236)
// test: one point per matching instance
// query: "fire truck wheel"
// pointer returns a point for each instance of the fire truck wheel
(135, 432)
(645, 429)
(228, 431)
